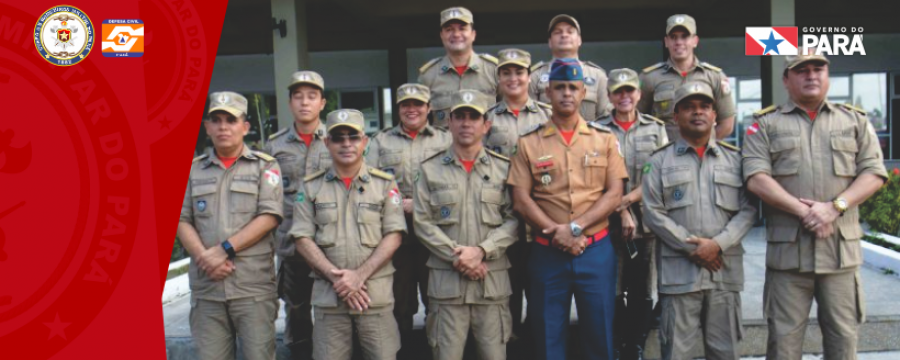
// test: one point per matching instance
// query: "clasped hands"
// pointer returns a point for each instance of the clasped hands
(707, 254)
(469, 262)
(565, 241)
(819, 218)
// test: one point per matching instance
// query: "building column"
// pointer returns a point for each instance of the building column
(781, 13)
(290, 53)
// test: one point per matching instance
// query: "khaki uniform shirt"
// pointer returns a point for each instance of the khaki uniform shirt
(296, 160)
(814, 160)
(506, 127)
(659, 82)
(685, 196)
(596, 100)
(441, 78)
(348, 226)
(218, 203)
(645, 135)
(578, 172)
(395, 152)
(455, 208)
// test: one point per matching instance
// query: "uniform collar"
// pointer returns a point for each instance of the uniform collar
(581, 127)
(362, 176)
(398, 130)
(449, 157)
(791, 106)
(682, 147)
(608, 120)
(670, 65)
(318, 134)
(212, 158)
(475, 63)
(503, 107)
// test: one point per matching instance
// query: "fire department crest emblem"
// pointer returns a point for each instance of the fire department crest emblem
(64, 35)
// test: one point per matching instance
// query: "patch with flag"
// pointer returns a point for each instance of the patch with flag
(273, 177)
(394, 194)
(753, 129)
(776, 40)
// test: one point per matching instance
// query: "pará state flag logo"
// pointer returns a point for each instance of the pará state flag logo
(777, 40)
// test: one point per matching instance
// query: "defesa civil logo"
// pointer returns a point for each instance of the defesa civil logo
(64, 35)
(783, 40)
(123, 38)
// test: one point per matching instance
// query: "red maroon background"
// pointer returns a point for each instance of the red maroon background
(93, 165)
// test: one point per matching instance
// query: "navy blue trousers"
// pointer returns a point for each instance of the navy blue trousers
(556, 276)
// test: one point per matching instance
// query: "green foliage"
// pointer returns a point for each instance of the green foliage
(878, 240)
(178, 252)
(882, 210)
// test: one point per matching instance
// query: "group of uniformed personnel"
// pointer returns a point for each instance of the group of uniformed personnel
(553, 180)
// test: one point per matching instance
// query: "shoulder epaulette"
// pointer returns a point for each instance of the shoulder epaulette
(496, 155)
(854, 108)
(600, 127)
(653, 67)
(490, 58)
(492, 108)
(279, 132)
(662, 147)
(657, 120)
(378, 173)
(767, 110)
(264, 156)
(728, 146)
(429, 64)
(544, 105)
(433, 156)
(537, 66)
(533, 129)
(201, 157)
(591, 63)
(315, 175)
(711, 66)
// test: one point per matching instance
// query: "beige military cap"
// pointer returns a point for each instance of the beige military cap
(693, 88)
(457, 13)
(792, 61)
(685, 21)
(623, 77)
(472, 99)
(307, 77)
(345, 117)
(563, 17)
(228, 101)
(513, 56)
(413, 91)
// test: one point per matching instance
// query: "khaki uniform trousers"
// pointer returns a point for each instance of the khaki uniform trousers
(215, 325)
(711, 315)
(379, 338)
(787, 299)
(447, 327)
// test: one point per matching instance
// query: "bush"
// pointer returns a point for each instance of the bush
(178, 251)
(882, 210)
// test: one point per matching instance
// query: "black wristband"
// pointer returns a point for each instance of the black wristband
(229, 249)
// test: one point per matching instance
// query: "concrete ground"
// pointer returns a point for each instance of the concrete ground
(880, 333)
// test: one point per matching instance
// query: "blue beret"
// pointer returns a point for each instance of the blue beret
(567, 69)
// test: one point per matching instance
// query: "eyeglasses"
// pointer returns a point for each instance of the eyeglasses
(340, 139)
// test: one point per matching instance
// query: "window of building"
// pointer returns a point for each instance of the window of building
(747, 96)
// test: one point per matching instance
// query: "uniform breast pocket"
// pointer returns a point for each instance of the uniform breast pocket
(728, 185)
(244, 196)
(662, 102)
(326, 220)
(491, 202)
(203, 199)
(323, 161)
(844, 150)
(498, 139)
(677, 187)
(289, 167)
(369, 220)
(389, 161)
(595, 171)
(643, 148)
(444, 206)
(785, 155)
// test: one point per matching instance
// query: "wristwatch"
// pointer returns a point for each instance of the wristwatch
(576, 229)
(840, 204)
(229, 249)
